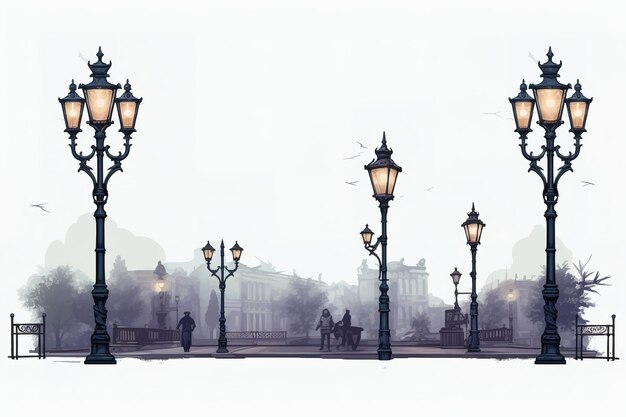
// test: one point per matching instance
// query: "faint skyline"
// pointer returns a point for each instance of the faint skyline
(77, 248)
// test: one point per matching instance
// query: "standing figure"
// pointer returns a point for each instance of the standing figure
(326, 327)
(347, 331)
(188, 326)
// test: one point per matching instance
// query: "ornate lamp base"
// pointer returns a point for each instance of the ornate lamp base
(384, 354)
(222, 345)
(100, 359)
(550, 359)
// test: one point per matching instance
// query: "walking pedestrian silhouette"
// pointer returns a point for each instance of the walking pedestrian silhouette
(188, 325)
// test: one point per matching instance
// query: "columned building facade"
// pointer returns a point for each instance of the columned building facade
(253, 296)
(408, 291)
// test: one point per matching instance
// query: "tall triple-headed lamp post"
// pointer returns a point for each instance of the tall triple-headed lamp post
(383, 173)
(473, 227)
(549, 96)
(100, 97)
(208, 251)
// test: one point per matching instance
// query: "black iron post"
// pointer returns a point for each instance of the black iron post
(511, 318)
(222, 343)
(383, 173)
(384, 333)
(177, 300)
(474, 340)
(473, 227)
(549, 95)
(100, 99)
(510, 298)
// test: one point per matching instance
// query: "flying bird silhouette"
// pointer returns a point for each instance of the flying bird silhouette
(351, 182)
(586, 183)
(354, 156)
(495, 113)
(81, 56)
(361, 145)
(428, 189)
(531, 56)
(40, 205)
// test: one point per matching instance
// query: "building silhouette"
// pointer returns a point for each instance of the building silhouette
(253, 297)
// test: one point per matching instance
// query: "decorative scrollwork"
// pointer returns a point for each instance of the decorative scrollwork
(529, 155)
(550, 314)
(271, 335)
(571, 156)
(595, 329)
(371, 249)
(567, 166)
(539, 171)
(240, 335)
(87, 170)
(100, 314)
(120, 156)
(79, 155)
(28, 328)
(117, 166)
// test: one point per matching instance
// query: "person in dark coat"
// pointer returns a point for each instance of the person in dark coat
(347, 331)
(326, 327)
(188, 325)
(338, 333)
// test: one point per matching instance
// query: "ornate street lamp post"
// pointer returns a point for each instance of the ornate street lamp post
(208, 251)
(161, 288)
(473, 227)
(100, 97)
(456, 278)
(383, 173)
(459, 316)
(510, 298)
(549, 96)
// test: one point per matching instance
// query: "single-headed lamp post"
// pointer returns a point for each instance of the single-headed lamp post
(160, 286)
(473, 227)
(549, 96)
(100, 96)
(383, 173)
(510, 297)
(456, 278)
(208, 251)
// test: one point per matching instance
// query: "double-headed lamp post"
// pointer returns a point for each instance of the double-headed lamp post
(208, 251)
(473, 227)
(100, 97)
(383, 173)
(549, 96)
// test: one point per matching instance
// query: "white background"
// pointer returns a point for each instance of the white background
(250, 108)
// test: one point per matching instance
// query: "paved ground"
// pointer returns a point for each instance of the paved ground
(310, 351)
